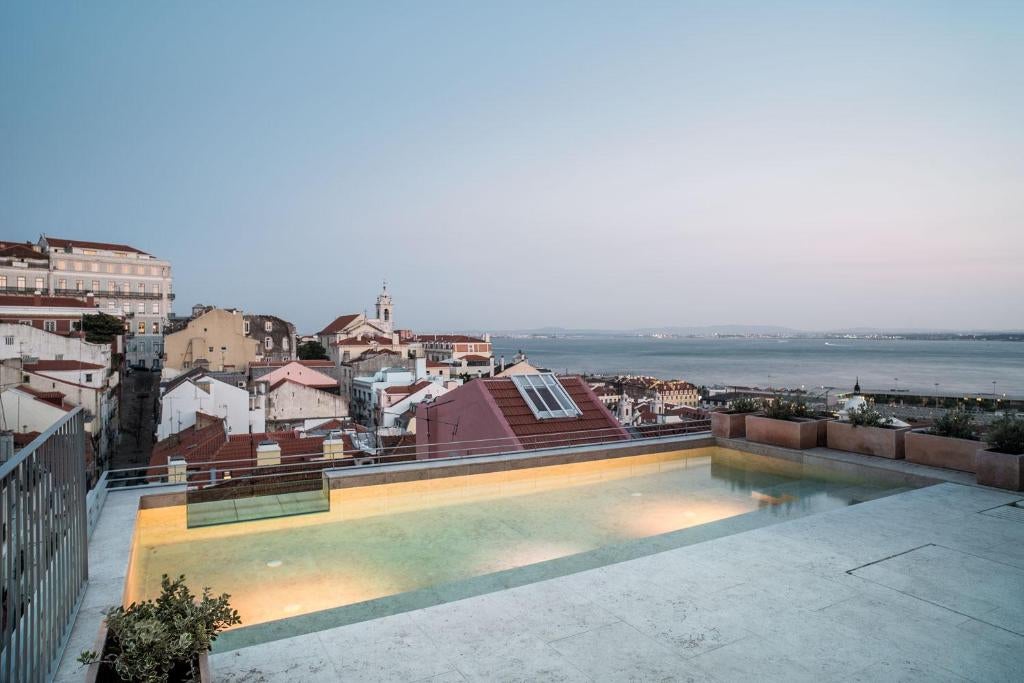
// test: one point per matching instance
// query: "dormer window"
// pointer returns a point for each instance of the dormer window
(546, 396)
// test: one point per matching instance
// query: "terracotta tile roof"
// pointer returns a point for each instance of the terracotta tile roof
(363, 340)
(605, 390)
(436, 364)
(475, 358)
(22, 251)
(537, 433)
(269, 363)
(315, 385)
(83, 244)
(450, 338)
(407, 389)
(23, 300)
(54, 398)
(339, 323)
(60, 365)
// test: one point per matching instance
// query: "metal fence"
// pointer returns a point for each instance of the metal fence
(45, 565)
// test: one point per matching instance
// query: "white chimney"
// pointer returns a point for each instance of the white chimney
(421, 368)
(176, 470)
(268, 453)
(334, 446)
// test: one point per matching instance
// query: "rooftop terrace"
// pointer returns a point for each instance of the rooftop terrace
(927, 584)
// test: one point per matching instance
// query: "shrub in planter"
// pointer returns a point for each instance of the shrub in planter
(866, 416)
(1002, 464)
(951, 442)
(789, 424)
(158, 641)
(867, 432)
(731, 424)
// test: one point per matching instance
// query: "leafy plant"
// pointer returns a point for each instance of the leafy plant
(957, 424)
(782, 409)
(312, 350)
(1006, 435)
(148, 640)
(745, 405)
(866, 416)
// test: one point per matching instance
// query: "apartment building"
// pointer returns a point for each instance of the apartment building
(125, 281)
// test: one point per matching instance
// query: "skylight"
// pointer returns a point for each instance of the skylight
(546, 396)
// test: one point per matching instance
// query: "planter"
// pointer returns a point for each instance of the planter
(941, 451)
(799, 434)
(101, 673)
(885, 442)
(729, 425)
(1001, 470)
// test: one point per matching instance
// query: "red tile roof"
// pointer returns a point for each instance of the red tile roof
(54, 398)
(339, 323)
(474, 358)
(22, 251)
(59, 243)
(317, 363)
(535, 433)
(59, 365)
(45, 301)
(315, 385)
(407, 389)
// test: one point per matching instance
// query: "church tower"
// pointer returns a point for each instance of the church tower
(385, 310)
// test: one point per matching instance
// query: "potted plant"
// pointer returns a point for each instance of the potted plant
(731, 423)
(869, 432)
(789, 424)
(1002, 463)
(950, 442)
(160, 641)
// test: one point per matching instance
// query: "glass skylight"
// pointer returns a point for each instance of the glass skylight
(546, 396)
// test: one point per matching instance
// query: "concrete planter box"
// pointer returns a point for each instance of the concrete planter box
(729, 425)
(1000, 470)
(941, 451)
(884, 442)
(798, 434)
(97, 673)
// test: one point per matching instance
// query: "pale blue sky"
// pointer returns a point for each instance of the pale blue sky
(581, 164)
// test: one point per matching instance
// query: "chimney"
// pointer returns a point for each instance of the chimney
(503, 364)
(176, 470)
(90, 300)
(268, 453)
(37, 299)
(334, 446)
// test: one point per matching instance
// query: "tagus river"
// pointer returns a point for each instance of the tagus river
(955, 366)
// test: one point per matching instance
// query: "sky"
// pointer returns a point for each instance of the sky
(519, 165)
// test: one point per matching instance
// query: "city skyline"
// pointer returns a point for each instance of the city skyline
(581, 166)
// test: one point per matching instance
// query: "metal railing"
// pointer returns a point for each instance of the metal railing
(45, 562)
(233, 472)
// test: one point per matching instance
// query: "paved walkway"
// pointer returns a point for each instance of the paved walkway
(926, 585)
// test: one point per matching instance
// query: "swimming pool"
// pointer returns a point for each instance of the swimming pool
(392, 547)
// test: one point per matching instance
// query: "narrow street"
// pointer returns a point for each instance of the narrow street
(139, 392)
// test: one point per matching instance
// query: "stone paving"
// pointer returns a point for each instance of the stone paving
(926, 585)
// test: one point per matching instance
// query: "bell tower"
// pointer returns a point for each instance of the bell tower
(385, 310)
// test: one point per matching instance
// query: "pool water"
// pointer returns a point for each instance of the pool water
(393, 539)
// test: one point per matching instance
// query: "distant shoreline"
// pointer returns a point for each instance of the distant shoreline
(1007, 337)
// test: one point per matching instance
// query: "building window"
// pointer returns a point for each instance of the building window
(78, 266)
(50, 325)
(245, 324)
(111, 306)
(110, 267)
(156, 328)
(3, 281)
(9, 340)
(126, 308)
(95, 285)
(79, 285)
(268, 343)
(88, 377)
(284, 344)
(141, 307)
(39, 283)
(156, 308)
(21, 282)
(142, 288)
(156, 288)
(142, 327)
(94, 267)
(125, 269)
(89, 252)
(268, 326)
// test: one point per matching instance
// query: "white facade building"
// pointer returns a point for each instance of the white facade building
(196, 392)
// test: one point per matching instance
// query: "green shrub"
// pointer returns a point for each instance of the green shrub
(866, 416)
(745, 405)
(147, 640)
(782, 409)
(1006, 435)
(957, 424)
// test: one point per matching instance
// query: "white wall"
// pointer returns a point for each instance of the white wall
(293, 401)
(179, 406)
(29, 341)
(23, 413)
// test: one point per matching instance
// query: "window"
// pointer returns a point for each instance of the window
(153, 270)
(140, 270)
(39, 283)
(62, 265)
(79, 285)
(545, 396)
(156, 328)
(211, 349)
(9, 340)
(245, 324)
(94, 267)
(3, 281)
(89, 252)
(95, 285)
(126, 307)
(156, 289)
(142, 288)
(50, 325)
(111, 286)
(268, 326)
(284, 343)
(58, 356)
(111, 306)
(125, 268)
(142, 327)
(268, 343)
(25, 322)
(155, 308)
(21, 282)
(141, 307)
(88, 377)
(110, 267)
(78, 266)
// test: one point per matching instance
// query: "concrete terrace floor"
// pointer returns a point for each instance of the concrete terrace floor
(926, 585)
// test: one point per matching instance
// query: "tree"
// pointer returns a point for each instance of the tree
(101, 328)
(312, 350)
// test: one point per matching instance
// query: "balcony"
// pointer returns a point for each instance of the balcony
(112, 295)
